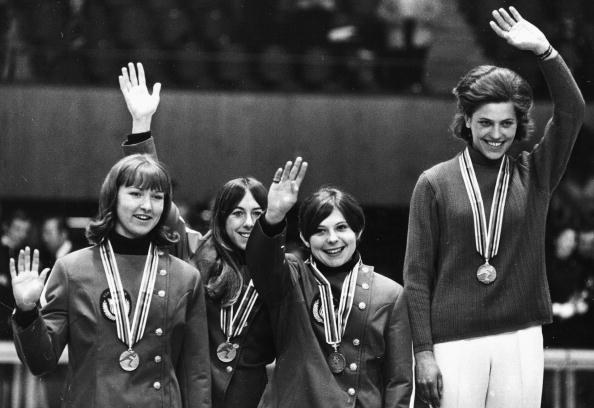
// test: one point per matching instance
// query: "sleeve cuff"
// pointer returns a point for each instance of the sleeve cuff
(135, 138)
(271, 230)
(24, 319)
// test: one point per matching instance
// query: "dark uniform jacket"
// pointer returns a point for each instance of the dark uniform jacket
(174, 358)
(377, 342)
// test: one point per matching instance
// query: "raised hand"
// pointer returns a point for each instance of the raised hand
(141, 104)
(27, 284)
(284, 190)
(518, 32)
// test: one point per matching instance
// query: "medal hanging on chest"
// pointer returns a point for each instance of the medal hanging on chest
(129, 333)
(486, 237)
(335, 322)
(233, 321)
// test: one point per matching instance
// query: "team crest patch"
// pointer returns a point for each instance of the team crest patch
(107, 307)
(316, 310)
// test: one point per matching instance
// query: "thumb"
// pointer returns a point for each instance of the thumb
(156, 89)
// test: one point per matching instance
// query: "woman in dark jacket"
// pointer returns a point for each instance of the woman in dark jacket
(238, 323)
(341, 330)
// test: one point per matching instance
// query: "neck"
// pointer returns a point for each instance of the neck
(478, 158)
(345, 267)
(129, 246)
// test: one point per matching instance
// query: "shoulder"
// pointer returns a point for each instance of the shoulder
(385, 290)
(83, 255)
(442, 170)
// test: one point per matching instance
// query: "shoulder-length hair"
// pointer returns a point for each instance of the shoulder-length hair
(318, 206)
(490, 84)
(141, 171)
(226, 280)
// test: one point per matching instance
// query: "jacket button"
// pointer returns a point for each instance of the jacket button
(365, 285)
(353, 366)
(365, 269)
(362, 305)
(351, 391)
(228, 369)
(157, 385)
(356, 342)
(157, 359)
(161, 293)
(162, 272)
(160, 253)
(159, 331)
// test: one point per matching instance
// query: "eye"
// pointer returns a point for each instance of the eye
(319, 231)
(257, 213)
(158, 196)
(484, 123)
(342, 227)
(508, 123)
(237, 213)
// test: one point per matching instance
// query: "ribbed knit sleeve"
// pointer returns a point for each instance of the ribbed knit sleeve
(419, 262)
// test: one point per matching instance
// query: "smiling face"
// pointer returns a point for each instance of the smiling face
(493, 127)
(241, 220)
(334, 242)
(138, 211)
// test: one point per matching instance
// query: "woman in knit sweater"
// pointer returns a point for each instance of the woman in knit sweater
(240, 335)
(475, 280)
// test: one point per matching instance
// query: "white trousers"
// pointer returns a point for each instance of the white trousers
(499, 371)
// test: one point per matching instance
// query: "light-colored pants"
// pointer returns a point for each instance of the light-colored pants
(499, 371)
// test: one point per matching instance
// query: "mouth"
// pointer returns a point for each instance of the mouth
(143, 217)
(333, 251)
(245, 235)
(494, 144)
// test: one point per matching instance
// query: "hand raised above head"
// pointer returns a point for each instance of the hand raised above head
(141, 104)
(284, 189)
(517, 31)
(27, 284)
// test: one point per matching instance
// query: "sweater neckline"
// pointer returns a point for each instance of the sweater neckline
(129, 246)
(480, 159)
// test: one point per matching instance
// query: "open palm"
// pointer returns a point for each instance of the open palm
(517, 31)
(139, 101)
(284, 190)
(27, 283)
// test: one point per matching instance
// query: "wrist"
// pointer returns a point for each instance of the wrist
(544, 52)
(424, 355)
(141, 125)
(273, 217)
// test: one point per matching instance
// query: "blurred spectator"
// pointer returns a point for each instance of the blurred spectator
(409, 26)
(55, 236)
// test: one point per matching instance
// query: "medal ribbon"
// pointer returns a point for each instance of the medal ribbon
(130, 334)
(486, 237)
(335, 323)
(234, 321)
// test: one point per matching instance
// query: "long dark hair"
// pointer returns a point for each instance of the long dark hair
(318, 206)
(226, 281)
(490, 84)
(141, 171)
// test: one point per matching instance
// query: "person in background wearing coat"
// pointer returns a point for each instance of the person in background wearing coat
(241, 343)
(341, 330)
(133, 316)
(476, 281)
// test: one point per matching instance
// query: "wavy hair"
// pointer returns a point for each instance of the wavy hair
(490, 84)
(141, 171)
(226, 280)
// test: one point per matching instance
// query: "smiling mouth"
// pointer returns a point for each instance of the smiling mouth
(494, 144)
(333, 251)
(245, 234)
(143, 217)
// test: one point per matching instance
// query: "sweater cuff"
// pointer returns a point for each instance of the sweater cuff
(24, 319)
(271, 230)
(135, 138)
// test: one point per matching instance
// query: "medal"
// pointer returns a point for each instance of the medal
(129, 333)
(486, 273)
(129, 360)
(336, 362)
(226, 351)
(233, 320)
(335, 322)
(486, 237)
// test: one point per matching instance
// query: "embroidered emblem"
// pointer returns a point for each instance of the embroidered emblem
(106, 305)
(316, 310)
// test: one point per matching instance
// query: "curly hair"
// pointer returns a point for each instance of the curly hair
(490, 84)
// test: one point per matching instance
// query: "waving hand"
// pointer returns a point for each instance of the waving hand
(284, 190)
(517, 31)
(27, 284)
(141, 104)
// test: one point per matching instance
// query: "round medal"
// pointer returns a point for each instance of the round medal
(336, 362)
(486, 273)
(129, 360)
(226, 351)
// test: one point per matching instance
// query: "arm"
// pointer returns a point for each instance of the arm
(193, 371)
(39, 339)
(552, 154)
(419, 275)
(398, 373)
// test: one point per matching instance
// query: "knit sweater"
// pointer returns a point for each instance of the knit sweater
(446, 301)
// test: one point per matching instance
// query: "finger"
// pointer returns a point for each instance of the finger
(126, 78)
(500, 20)
(122, 82)
(498, 31)
(295, 168)
(13, 272)
(43, 274)
(133, 77)
(439, 387)
(21, 263)
(35, 263)
(301, 174)
(506, 17)
(286, 170)
(141, 77)
(157, 89)
(277, 175)
(515, 13)
(27, 258)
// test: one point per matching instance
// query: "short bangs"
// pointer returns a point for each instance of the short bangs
(144, 175)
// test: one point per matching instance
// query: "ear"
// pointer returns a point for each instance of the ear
(359, 234)
(303, 240)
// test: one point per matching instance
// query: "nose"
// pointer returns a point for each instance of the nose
(497, 132)
(146, 203)
(332, 237)
(249, 221)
